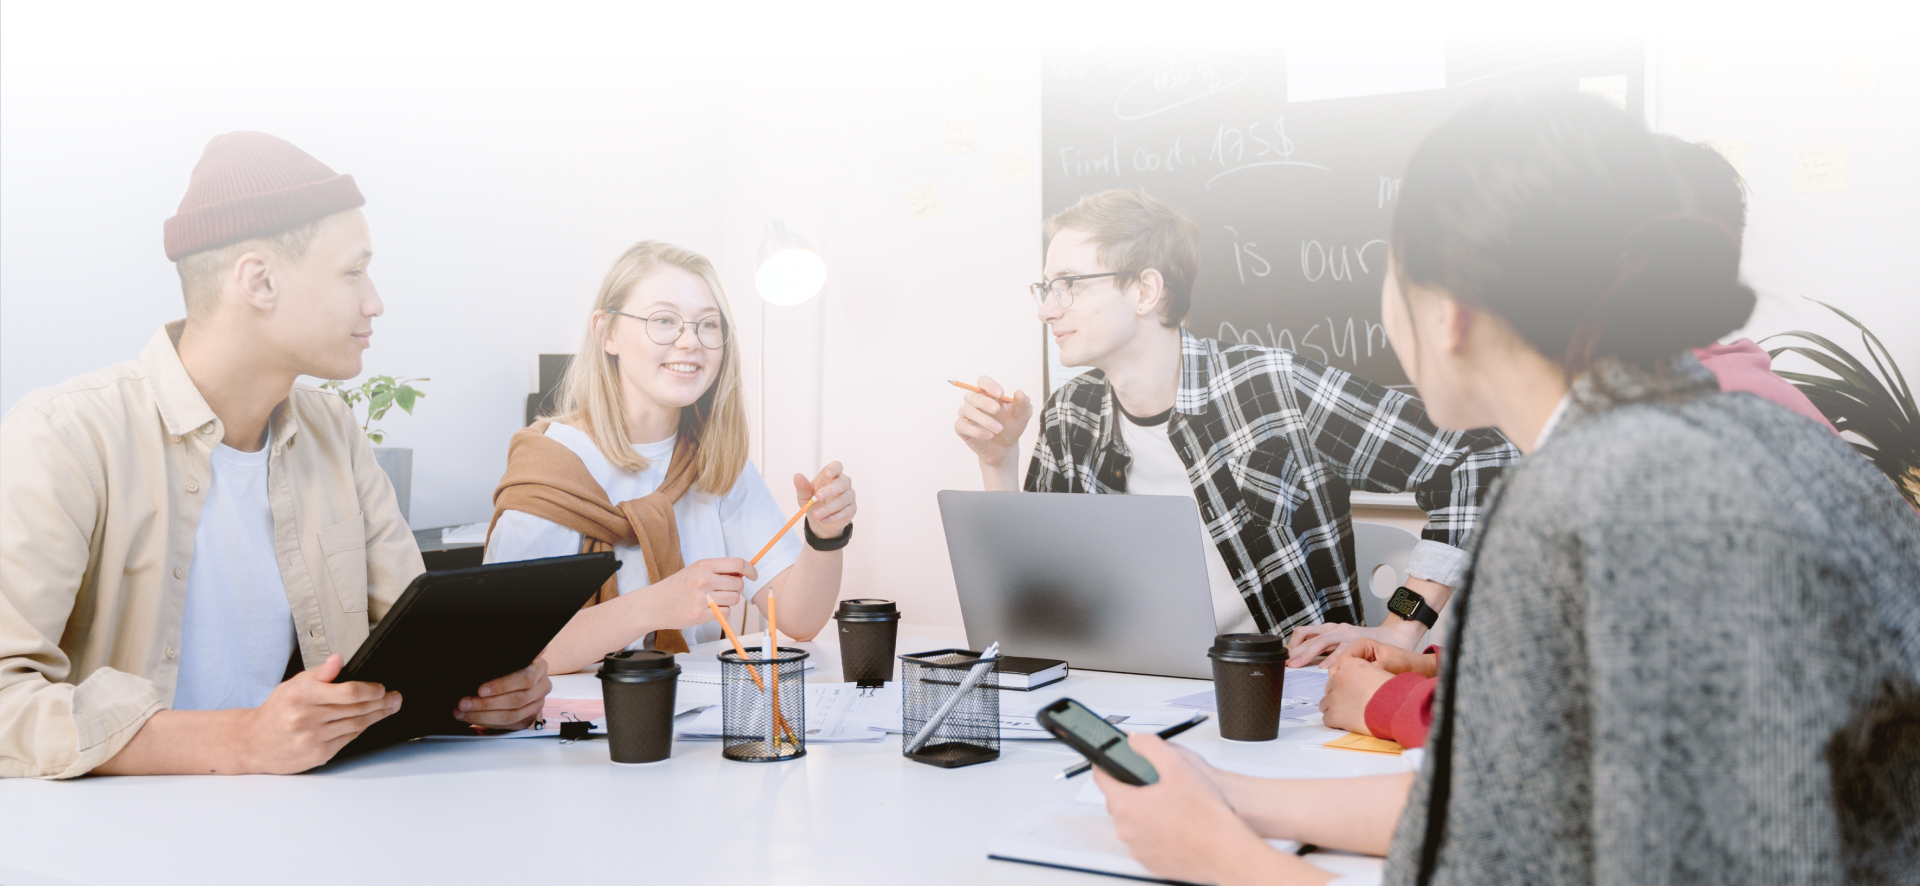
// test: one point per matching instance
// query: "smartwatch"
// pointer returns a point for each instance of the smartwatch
(826, 544)
(1412, 607)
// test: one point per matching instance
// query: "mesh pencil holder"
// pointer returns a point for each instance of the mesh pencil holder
(765, 719)
(971, 732)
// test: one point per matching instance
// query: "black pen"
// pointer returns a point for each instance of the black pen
(1086, 765)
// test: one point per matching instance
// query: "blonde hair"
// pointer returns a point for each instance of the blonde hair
(590, 396)
(1133, 232)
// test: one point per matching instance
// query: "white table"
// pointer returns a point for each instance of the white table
(537, 811)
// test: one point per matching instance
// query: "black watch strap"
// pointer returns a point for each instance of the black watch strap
(1412, 607)
(826, 544)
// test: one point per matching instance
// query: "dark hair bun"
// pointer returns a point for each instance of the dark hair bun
(1678, 286)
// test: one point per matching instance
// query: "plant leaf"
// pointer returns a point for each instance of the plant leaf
(404, 397)
(1848, 370)
(379, 405)
(377, 436)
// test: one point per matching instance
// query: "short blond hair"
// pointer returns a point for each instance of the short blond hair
(1134, 232)
(200, 272)
(591, 399)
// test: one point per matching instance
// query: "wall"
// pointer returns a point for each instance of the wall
(500, 192)
(1848, 248)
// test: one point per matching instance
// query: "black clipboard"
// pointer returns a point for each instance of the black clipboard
(455, 629)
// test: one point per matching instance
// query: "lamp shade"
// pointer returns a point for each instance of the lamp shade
(790, 270)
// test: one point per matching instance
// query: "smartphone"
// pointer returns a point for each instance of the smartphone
(1097, 740)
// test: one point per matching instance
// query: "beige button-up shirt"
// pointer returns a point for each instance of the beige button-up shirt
(101, 483)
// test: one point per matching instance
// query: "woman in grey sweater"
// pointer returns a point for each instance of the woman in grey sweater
(1689, 648)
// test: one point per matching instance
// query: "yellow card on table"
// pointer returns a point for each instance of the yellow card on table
(1354, 741)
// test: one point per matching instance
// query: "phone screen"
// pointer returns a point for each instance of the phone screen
(1097, 733)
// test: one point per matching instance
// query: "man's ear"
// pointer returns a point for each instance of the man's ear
(252, 276)
(1152, 292)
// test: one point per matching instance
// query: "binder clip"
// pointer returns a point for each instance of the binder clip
(573, 728)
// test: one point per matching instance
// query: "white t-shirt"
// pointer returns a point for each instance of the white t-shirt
(734, 525)
(236, 634)
(1157, 470)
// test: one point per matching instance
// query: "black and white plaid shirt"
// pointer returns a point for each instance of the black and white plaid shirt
(1273, 444)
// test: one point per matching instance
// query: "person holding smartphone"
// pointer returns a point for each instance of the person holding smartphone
(1689, 646)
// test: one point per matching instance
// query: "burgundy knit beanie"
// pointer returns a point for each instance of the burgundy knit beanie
(250, 184)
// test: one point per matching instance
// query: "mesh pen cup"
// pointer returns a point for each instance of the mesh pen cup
(638, 685)
(763, 705)
(867, 629)
(971, 731)
(1249, 671)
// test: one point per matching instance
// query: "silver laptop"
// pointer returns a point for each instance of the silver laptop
(1106, 582)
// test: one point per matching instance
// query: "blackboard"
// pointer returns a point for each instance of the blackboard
(1294, 199)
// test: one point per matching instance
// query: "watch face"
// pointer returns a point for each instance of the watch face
(1403, 603)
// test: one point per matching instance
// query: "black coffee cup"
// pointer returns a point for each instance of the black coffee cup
(867, 631)
(638, 685)
(1249, 671)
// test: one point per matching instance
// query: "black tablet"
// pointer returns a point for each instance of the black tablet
(455, 629)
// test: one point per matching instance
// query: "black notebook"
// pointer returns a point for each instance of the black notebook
(455, 629)
(1020, 673)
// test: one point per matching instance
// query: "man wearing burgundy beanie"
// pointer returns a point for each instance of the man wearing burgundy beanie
(184, 533)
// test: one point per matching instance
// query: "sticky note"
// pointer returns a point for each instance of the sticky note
(923, 201)
(1009, 164)
(1354, 741)
(1856, 69)
(981, 86)
(1819, 169)
(1734, 149)
(1612, 88)
(957, 136)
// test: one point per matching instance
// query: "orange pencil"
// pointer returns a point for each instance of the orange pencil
(769, 545)
(741, 650)
(964, 386)
(773, 655)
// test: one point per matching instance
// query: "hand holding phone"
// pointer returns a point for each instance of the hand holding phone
(1099, 741)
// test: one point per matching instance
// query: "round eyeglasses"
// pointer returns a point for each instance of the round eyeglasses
(1061, 288)
(666, 327)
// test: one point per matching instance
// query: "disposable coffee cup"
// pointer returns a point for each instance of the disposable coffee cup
(638, 685)
(867, 632)
(1249, 671)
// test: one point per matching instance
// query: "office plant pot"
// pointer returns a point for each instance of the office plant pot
(397, 461)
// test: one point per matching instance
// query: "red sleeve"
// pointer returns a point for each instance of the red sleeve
(1410, 721)
(1383, 708)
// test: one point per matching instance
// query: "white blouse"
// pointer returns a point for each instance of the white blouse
(733, 525)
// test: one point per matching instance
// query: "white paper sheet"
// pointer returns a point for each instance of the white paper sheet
(836, 712)
(466, 534)
(1299, 699)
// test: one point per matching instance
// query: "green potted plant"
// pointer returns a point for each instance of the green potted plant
(371, 399)
(1878, 408)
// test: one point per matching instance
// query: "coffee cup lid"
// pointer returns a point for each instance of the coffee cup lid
(862, 607)
(628, 661)
(1249, 647)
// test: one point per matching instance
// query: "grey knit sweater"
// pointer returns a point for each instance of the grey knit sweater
(1689, 653)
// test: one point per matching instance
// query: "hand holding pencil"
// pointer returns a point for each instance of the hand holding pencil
(991, 421)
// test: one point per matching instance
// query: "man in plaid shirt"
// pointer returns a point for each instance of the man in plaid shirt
(1267, 443)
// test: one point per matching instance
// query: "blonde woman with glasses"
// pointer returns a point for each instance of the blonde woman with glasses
(646, 456)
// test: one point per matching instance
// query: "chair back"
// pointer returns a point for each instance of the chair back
(1376, 545)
